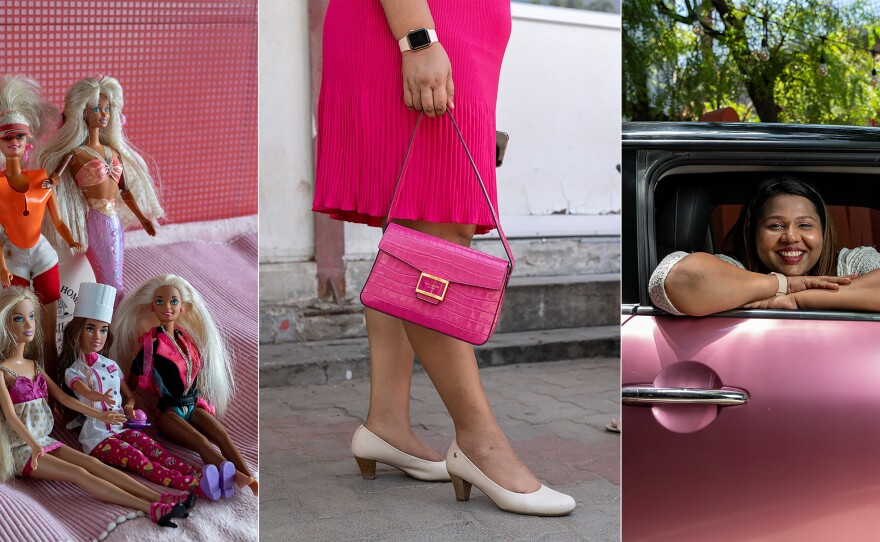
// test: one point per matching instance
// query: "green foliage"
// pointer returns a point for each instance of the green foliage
(671, 73)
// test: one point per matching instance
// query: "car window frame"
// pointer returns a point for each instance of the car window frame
(655, 161)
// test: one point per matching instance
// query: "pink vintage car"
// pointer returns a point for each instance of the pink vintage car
(749, 424)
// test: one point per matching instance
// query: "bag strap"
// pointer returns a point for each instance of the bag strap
(476, 172)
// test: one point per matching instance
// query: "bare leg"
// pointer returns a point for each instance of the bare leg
(54, 468)
(208, 426)
(107, 473)
(452, 367)
(181, 432)
(49, 316)
(391, 365)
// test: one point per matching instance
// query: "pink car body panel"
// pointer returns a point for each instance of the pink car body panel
(799, 461)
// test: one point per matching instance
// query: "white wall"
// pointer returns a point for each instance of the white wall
(286, 170)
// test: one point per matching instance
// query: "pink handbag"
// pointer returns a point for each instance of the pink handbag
(435, 283)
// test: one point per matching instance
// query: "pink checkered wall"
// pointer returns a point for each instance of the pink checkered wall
(189, 72)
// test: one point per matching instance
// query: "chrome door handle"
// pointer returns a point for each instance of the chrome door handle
(641, 395)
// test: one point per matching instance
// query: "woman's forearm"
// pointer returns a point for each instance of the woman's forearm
(406, 15)
(861, 295)
(701, 284)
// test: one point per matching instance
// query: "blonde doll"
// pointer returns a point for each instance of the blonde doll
(29, 451)
(96, 170)
(184, 361)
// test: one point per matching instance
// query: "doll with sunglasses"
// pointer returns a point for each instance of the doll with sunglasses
(27, 258)
(98, 382)
(27, 450)
(96, 170)
(184, 361)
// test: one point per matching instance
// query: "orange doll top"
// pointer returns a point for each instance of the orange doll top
(24, 230)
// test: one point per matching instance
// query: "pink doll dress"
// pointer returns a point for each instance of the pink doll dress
(364, 126)
(29, 401)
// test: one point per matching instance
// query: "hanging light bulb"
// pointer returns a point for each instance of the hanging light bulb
(764, 52)
(823, 67)
(873, 82)
(698, 28)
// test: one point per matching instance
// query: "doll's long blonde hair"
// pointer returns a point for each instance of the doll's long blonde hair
(21, 96)
(9, 298)
(74, 132)
(215, 378)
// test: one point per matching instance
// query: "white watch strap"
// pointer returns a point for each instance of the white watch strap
(404, 43)
(783, 283)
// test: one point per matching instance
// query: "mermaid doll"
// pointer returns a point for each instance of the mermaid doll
(94, 167)
(184, 361)
(98, 382)
(27, 258)
(27, 450)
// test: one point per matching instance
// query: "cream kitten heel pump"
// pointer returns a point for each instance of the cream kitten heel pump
(368, 449)
(543, 502)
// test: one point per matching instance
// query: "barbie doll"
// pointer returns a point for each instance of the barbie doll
(185, 362)
(94, 167)
(27, 258)
(97, 382)
(28, 450)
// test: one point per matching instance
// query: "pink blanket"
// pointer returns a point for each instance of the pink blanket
(226, 275)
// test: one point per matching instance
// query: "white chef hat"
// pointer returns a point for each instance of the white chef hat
(95, 301)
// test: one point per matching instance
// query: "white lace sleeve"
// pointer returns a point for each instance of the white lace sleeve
(657, 284)
(859, 260)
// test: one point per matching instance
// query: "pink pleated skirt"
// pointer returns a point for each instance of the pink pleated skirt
(364, 126)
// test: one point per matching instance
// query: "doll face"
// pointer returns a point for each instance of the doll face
(167, 303)
(93, 336)
(22, 322)
(13, 146)
(99, 115)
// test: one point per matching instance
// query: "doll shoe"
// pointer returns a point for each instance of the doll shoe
(188, 500)
(543, 502)
(227, 479)
(210, 482)
(161, 514)
(368, 449)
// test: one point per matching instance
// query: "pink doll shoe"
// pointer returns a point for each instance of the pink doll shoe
(227, 477)
(188, 500)
(161, 514)
(210, 482)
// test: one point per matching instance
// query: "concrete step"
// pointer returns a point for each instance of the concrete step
(333, 361)
(530, 303)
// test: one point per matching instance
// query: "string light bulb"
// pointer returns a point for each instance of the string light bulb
(698, 28)
(764, 52)
(823, 67)
(873, 82)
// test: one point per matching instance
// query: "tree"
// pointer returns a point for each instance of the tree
(684, 58)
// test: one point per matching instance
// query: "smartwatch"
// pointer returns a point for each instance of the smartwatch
(420, 38)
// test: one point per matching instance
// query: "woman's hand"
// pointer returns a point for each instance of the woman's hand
(785, 302)
(801, 283)
(36, 453)
(427, 80)
(112, 418)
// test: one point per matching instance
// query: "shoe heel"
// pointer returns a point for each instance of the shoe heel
(367, 466)
(462, 488)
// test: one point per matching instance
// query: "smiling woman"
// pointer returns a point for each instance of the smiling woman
(780, 254)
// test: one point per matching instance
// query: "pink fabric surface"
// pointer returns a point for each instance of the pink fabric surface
(226, 275)
(364, 126)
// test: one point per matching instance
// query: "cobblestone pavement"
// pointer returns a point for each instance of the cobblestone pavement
(554, 415)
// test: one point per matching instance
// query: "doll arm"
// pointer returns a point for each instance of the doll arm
(83, 389)
(55, 176)
(63, 231)
(131, 202)
(128, 400)
(15, 423)
(5, 275)
(109, 417)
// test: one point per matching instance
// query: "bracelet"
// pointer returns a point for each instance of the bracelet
(783, 283)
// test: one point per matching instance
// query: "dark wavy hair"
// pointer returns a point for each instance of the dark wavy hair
(70, 349)
(740, 241)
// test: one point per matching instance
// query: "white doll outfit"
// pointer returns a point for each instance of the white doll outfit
(99, 374)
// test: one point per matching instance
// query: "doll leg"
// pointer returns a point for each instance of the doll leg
(51, 467)
(47, 287)
(181, 432)
(452, 368)
(120, 453)
(391, 366)
(105, 249)
(208, 425)
(108, 473)
(157, 453)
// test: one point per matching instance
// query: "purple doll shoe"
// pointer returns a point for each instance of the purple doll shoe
(227, 479)
(210, 482)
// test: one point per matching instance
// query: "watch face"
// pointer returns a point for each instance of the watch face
(418, 39)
